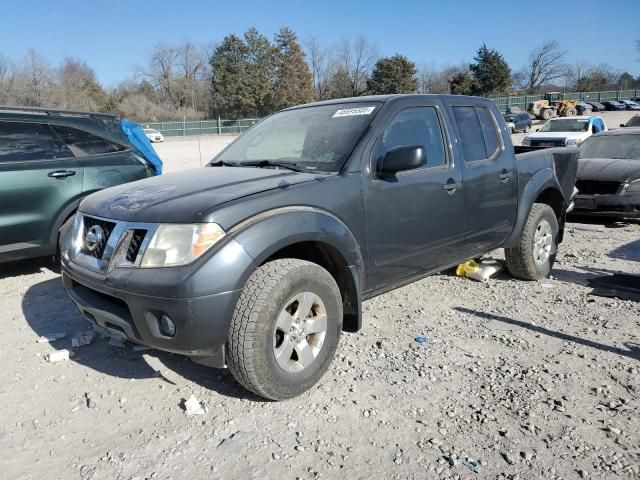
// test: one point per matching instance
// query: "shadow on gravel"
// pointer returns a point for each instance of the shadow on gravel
(630, 251)
(23, 267)
(632, 351)
(47, 309)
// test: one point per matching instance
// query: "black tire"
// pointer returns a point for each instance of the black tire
(521, 259)
(253, 335)
(570, 112)
(547, 113)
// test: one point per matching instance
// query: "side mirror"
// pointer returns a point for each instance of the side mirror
(403, 158)
(622, 124)
(537, 129)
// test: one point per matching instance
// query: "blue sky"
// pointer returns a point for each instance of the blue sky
(114, 36)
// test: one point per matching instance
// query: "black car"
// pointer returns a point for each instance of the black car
(608, 178)
(614, 105)
(261, 259)
(521, 122)
(597, 106)
(632, 122)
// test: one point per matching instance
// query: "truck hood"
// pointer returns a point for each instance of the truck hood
(608, 169)
(557, 135)
(188, 196)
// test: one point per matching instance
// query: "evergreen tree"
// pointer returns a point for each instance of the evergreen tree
(462, 84)
(395, 74)
(260, 71)
(490, 72)
(293, 81)
(340, 85)
(229, 88)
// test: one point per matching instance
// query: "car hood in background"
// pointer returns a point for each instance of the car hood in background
(556, 135)
(189, 196)
(608, 169)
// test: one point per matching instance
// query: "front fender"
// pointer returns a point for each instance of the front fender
(264, 234)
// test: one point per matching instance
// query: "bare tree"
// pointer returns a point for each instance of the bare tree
(432, 79)
(320, 63)
(160, 72)
(36, 79)
(192, 65)
(357, 59)
(7, 80)
(77, 85)
(546, 64)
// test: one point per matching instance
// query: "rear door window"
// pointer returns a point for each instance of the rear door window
(83, 144)
(24, 141)
(471, 136)
(478, 132)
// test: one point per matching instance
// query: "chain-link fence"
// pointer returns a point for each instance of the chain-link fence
(235, 127)
(522, 102)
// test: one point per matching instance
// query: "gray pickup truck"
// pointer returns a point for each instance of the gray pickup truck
(261, 259)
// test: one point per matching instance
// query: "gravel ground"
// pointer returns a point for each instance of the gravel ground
(521, 380)
(518, 381)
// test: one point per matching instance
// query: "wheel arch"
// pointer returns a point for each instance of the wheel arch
(312, 235)
(542, 187)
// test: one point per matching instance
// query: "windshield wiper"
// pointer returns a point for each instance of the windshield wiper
(222, 163)
(272, 163)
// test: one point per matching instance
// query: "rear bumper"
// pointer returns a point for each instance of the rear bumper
(612, 206)
(201, 323)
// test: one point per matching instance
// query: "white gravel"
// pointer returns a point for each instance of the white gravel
(520, 380)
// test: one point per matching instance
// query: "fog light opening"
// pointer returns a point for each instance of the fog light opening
(167, 327)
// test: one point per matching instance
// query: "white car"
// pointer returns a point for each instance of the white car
(153, 135)
(565, 131)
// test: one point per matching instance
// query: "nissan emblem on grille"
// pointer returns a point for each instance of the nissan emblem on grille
(94, 238)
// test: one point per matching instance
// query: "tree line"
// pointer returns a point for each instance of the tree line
(251, 75)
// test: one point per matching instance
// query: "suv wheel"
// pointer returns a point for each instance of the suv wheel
(285, 328)
(533, 258)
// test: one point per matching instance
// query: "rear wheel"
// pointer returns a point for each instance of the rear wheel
(547, 113)
(285, 328)
(533, 257)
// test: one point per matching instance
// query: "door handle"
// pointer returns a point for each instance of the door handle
(450, 187)
(505, 176)
(62, 173)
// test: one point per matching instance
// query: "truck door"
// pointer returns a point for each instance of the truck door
(39, 176)
(490, 178)
(415, 219)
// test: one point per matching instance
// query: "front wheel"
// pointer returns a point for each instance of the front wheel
(285, 328)
(533, 257)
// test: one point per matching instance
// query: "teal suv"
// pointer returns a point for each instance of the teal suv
(50, 160)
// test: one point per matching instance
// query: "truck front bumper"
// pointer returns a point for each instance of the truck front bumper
(193, 326)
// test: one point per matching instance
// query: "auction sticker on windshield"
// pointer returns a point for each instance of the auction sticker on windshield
(350, 112)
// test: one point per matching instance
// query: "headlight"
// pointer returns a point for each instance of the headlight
(572, 142)
(526, 142)
(634, 187)
(174, 245)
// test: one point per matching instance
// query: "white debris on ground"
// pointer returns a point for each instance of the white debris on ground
(518, 380)
(58, 356)
(51, 337)
(193, 407)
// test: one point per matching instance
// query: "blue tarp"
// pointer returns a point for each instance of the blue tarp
(139, 140)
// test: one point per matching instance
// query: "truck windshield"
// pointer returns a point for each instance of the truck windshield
(566, 125)
(625, 147)
(310, 139)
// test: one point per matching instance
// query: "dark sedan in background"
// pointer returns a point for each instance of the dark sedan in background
(597, 106)
(632, 122)
(614, 105)
(608, 178)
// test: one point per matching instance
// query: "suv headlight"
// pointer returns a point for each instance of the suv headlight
(174, 245)
(573, 142)
(526, 142)
(634, 187)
